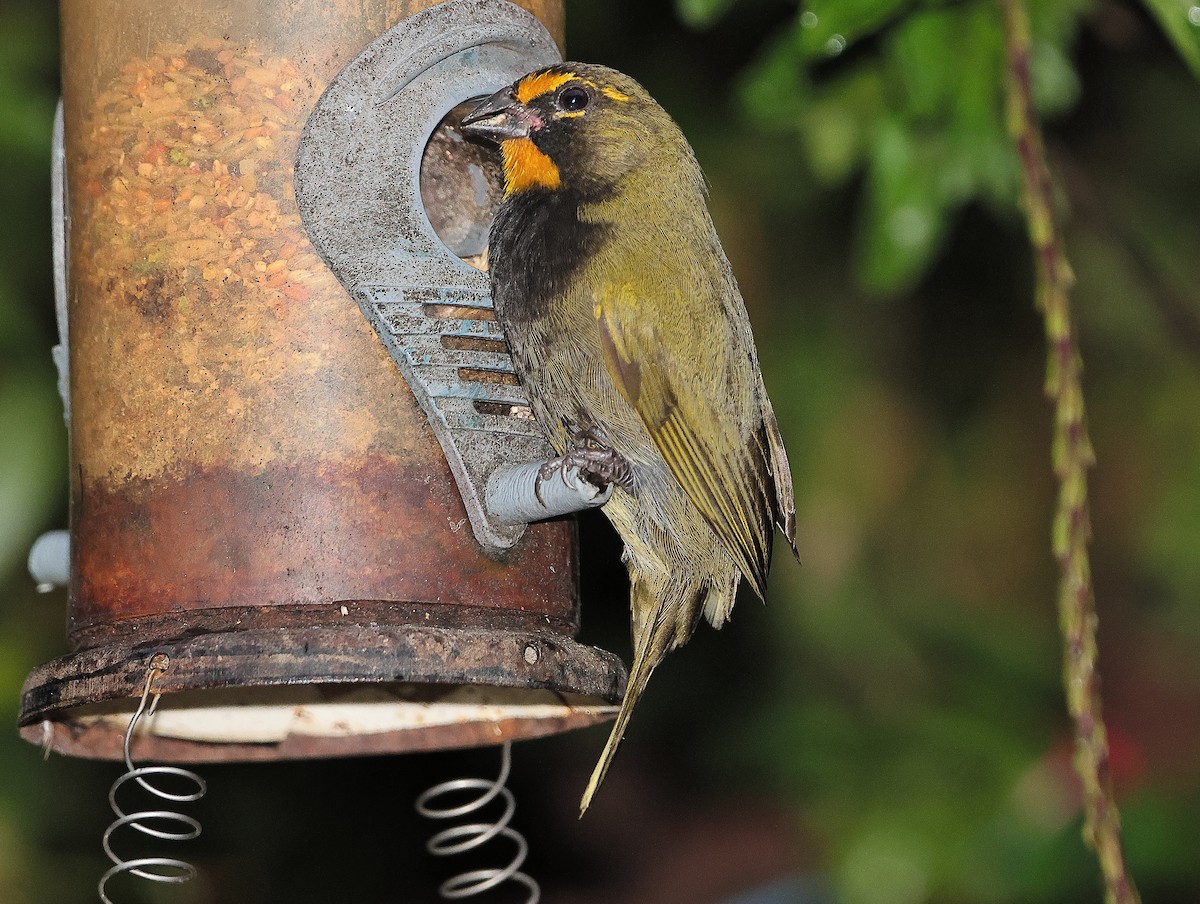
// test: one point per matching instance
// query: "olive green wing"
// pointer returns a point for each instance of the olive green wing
(725, 474)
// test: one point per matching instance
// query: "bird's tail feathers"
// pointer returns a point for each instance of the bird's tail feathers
(639, 675)
(719, 595)
(673, 613)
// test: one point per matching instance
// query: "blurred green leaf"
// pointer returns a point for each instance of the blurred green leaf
(1055, 85)
(31, 464)
(26, 106)
(1180, 20)
(1158, 831)
(838, 123)
(922, 112)
(775, 90)
(904, 217)
(980, 147)
(702, 13)
(926, 75)
(1170, 536)
(828, 27)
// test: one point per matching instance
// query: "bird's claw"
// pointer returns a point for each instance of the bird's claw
(597, 463)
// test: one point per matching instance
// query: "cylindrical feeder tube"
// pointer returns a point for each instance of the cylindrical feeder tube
(245, 456)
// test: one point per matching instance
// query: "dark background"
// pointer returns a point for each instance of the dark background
(890, 729)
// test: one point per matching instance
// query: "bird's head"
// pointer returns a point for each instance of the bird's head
(577, 126)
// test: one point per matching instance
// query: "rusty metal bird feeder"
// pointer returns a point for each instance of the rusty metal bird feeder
(258, 491)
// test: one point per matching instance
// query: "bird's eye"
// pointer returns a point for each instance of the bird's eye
(573, 99)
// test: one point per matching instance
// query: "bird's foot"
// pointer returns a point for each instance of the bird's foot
(597, 462)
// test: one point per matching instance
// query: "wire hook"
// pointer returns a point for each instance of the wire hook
(155, 869)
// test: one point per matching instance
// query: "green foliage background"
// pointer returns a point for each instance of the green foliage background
(898, 700)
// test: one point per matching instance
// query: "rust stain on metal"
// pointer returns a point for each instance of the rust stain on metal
(375, 528)
(418, 664)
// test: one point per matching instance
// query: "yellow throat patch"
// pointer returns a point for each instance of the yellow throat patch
(526, 167)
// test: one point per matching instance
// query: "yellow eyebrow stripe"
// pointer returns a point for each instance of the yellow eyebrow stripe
(535, 86)
(542, 83)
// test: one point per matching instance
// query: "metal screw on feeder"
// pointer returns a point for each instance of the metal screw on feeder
(335, 560)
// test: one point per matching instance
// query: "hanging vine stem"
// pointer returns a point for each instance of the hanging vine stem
(1072, 455)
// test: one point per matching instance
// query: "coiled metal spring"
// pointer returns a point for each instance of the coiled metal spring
(180, 827)
(461, 838)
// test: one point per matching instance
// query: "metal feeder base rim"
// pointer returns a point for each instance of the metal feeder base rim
(294, 693)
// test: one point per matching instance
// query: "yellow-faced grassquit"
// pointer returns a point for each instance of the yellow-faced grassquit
(631, 339)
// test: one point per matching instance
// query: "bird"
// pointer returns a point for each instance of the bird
(631, 339)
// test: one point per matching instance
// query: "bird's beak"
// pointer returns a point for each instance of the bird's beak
(499, 118)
